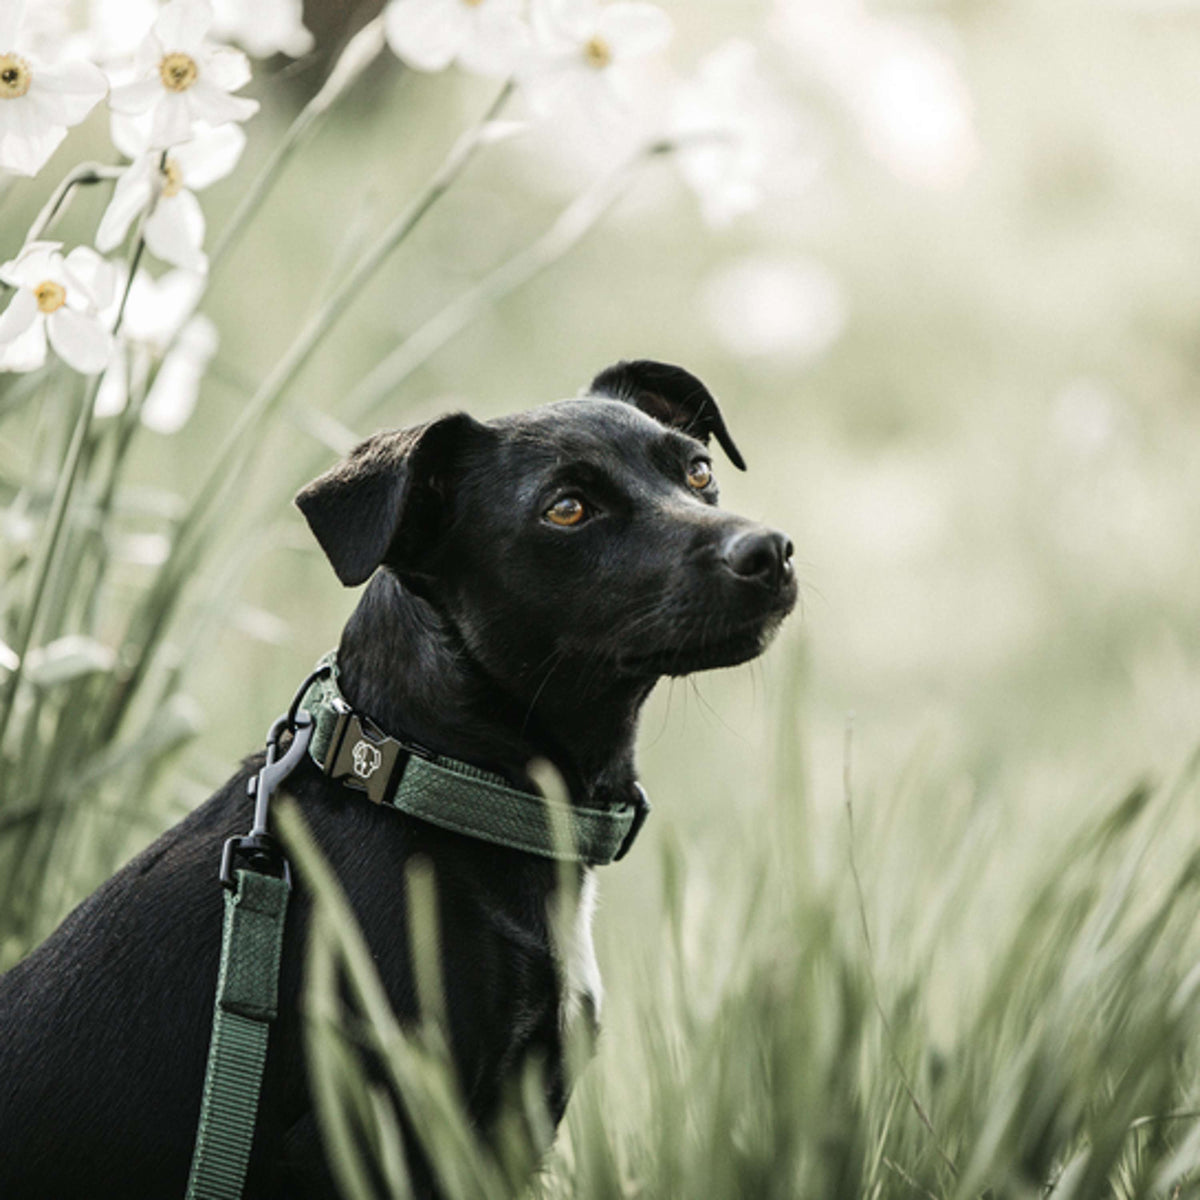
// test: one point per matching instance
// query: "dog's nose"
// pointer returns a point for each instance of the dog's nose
(761, 555)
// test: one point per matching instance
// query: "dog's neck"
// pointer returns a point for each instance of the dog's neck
(403, 664)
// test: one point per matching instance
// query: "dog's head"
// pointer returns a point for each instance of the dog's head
(581, 533)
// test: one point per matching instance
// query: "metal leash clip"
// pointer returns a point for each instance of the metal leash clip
(259, 850)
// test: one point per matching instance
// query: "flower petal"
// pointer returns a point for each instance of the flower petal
(11, 16)
(18, 316)
(80, 341)
(264, 28)
(427, 34)
(228, 68)
(27, 352)
(89, 273)
(73, 88)
(182, 25)
(131, 133)
(114, 387)
(129, 197)
(116, 28)
(136, 97)
(28, 151)
(157, 308)
(37, 261)
(563, 24)
(547, 82)
(634, 29)
(209, 156)
(172, 119)
(175, 231)
(177, 385)
(498, 43)
(210, 104)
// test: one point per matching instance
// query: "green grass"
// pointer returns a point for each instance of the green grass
(787, 1037)
(977, 978)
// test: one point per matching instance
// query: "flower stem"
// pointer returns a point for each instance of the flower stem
(59, 506)
(270, 392)
(85, 173)
(362, 49)
(572, 225)
(240, 443)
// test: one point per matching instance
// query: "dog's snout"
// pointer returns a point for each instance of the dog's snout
(760, 555)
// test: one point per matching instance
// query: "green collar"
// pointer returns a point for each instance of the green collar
(351, 749)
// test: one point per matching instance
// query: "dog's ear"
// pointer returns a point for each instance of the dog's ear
(370, 507)
(672, 396)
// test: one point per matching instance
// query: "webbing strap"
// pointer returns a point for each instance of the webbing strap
(246, 1003)
(453, 794)
(446, 796)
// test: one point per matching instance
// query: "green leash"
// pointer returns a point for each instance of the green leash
(247, 993)
(257, 881)
(349, 748)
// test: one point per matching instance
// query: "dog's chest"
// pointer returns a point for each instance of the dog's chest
(582, 990)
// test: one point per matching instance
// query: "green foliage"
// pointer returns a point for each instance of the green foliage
(990, 482)
(775, 1050)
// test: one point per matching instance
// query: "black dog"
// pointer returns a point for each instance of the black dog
(539, 573)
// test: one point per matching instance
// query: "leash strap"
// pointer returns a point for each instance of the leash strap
(455, 795)
(351, 749)
(247, 995)
(257, 880)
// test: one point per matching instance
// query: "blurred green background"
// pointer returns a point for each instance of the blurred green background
(971, 402)
(962, 362)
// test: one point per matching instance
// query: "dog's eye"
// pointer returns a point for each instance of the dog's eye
(700, 474)
(566, 510)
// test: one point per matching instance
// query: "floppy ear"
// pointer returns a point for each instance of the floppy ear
(369, 506)
(672, 396)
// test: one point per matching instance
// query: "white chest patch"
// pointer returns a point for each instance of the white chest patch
(583, 992)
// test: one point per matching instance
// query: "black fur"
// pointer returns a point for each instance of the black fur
(491, 635)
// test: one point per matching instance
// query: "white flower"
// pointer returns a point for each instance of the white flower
(10, 660)
(46, 26)
(60, 299)
(160, 330)
(264, 27)
(176, 387)
(587, 50)
(182, 78)
(38, 101)
(717, 120)
(906, 92)
(174, 231)
(115, 28)
(738, 140)
(488, 37)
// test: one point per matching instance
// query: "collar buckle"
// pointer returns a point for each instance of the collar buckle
(363, 757)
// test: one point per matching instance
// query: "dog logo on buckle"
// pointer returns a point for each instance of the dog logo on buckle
(366, 759)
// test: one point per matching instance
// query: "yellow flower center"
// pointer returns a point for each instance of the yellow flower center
(51, 296)
(178, 71)
(15, 76)
(172, 178)
(597, 52)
